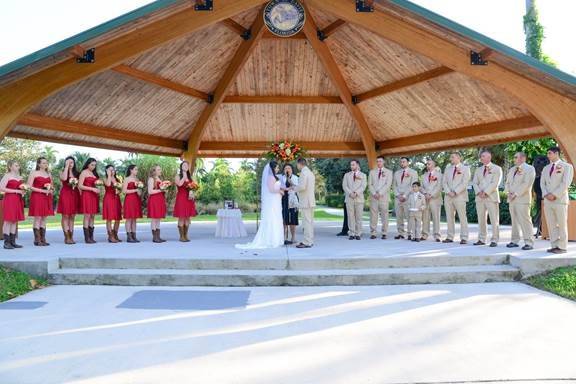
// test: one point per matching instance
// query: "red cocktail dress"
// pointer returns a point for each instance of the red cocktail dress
(41, 204)
(89, 201)
(157, 204)
(13, 203)
(184, 207)
(132, 203)
(111, 205)
(69, 199)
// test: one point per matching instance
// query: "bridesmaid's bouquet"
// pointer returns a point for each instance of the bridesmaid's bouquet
(99, 183)
(73, 182)
(192, 187)
(164, 185)
(118, 187)
(24, 187)
(48, 187)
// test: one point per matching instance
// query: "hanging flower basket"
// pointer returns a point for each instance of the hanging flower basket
(285, 151)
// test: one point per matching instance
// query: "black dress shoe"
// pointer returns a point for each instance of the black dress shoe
(479, 243)
(351, 238)
(448, 241)
(422, 239)
(438, 240)
(416, 240)
(398, 237)
(511, 245)
(493, 244)
(527, 248)
(286, 242)
(558, 251)
(373, 237)
(383, 237)
(342, 234)
(463, 242)
(303, 246)
(358, 238)
(551, 250)
(409, 238)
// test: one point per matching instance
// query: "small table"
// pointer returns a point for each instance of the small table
(230, 224)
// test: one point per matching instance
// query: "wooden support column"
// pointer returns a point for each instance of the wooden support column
(310, 30)
(240, 57)
(556, 111)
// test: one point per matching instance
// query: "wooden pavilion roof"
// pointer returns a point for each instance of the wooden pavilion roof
(171, 80)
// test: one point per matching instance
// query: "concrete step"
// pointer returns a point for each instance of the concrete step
(245, 278)
(264, 263)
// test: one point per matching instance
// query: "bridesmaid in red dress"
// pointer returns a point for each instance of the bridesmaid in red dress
(41, 200)
(185, 207)
(13, 188)
(111, 205)
(89, 198)
(156, 203)
(69, 200)
(132, 202)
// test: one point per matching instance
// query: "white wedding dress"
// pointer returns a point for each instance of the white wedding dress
(271, 231)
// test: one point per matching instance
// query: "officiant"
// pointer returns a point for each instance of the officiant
(289, 203)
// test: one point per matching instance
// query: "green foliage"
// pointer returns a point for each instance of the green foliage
(24, 152)
(14, 283)
(534, 31)
(561, 281)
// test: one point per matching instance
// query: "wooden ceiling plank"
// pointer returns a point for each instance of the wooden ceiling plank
(79, 128)
(283, 99)
(462, 132)
(403, 83)
(265, 145)
(310, 30)
(152, 78)
(269, 35)
(240, 57)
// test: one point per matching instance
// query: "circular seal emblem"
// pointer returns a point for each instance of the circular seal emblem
(284, 17)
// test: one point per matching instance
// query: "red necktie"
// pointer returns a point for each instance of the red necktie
(380, 174)
(430, 177)
(552, 169)
(403, 175)
(485, 170)
(454, 173)
(516, 171)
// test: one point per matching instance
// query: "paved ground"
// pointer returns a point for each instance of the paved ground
(398, 334)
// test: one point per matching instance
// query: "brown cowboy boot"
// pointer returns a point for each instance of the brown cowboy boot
(86, 235)
(181, 232)
(129, 237)
(37, 241)
(71, 237)
(159, 238)
(91, 235)
(8, 242)
(43, 237)
(13, 241)
(155, 237)
(115, 233)
(111, 238)
(186, 228)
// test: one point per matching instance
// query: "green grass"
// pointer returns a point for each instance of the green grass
(54, 221)
(14, 283)
(561, 281)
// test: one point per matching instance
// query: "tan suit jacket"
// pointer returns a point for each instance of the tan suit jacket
(416, 201)
(432, 184)
(519, 181)
(351, 184)
(380, 185)
(306, 188)
(558, 182)
(456, 182)
(487, 180)
(403, 186)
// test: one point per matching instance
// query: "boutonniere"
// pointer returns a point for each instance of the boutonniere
(433, 178)
(458, 172)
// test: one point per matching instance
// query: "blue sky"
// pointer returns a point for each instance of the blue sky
(29, 25)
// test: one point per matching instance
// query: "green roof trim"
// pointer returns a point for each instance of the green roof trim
(485, 40)
(85, 36)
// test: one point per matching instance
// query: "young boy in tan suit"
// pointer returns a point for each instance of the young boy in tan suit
(455, 184)
(354, 185)
(432, 190)
(486, 180)
(403, 179)
(519, 182)
(555, 181)
(379, 183)
(416, 205)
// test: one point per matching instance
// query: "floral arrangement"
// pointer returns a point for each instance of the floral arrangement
(73, 182)
(140, 186)
(164, 185)
(24, 187)
(99, 183)
(284, 151)
(192, 187)
(118, 187)
(48, 187)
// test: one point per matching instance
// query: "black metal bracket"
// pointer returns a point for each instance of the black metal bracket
(247, 34)
(210, 99)
(476, 58)
(355, 100)
(203, 5)
(364, 6)
(88, 57)
(321, 35)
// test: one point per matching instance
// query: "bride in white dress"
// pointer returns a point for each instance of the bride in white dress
(271, 231)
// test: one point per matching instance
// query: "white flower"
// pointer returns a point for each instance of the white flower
(288, 151)
(281, 145)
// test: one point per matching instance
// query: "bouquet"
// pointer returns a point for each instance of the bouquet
(284, 151)
(140, 186)
(48, 187)
(164, 185)
(73, 182)
(192, 187)
(118, 187)
(99, 183)
(24, 187)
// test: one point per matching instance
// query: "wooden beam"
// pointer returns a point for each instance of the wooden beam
(437, 147)
(160, 81)
(257, 155)
(331, 67)
(265, 145)
(332, 28)
(79, 128)
(234, 26)
(283, 99)
(22, 94)
(81, 143)
(403, 83)
(462, 133)
(236, 64)
(555, 110)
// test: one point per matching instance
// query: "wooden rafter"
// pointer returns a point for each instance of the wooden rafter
(83, 143)
(403, 83)
(332, 28)
(79, 128)
(219, 94)
(283, 99)
(160, 81)
(264, 145)
(234, 26)
(256, 155)
(462, 133)
(331, 67)
(18, 97)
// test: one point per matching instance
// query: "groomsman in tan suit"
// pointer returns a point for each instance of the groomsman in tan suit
(403, 180)
(555, 181)
(379, 183)
(354, 185)
(432, 190)
(519, 182)
(306, 202)
(486, 180)
(455, 184)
